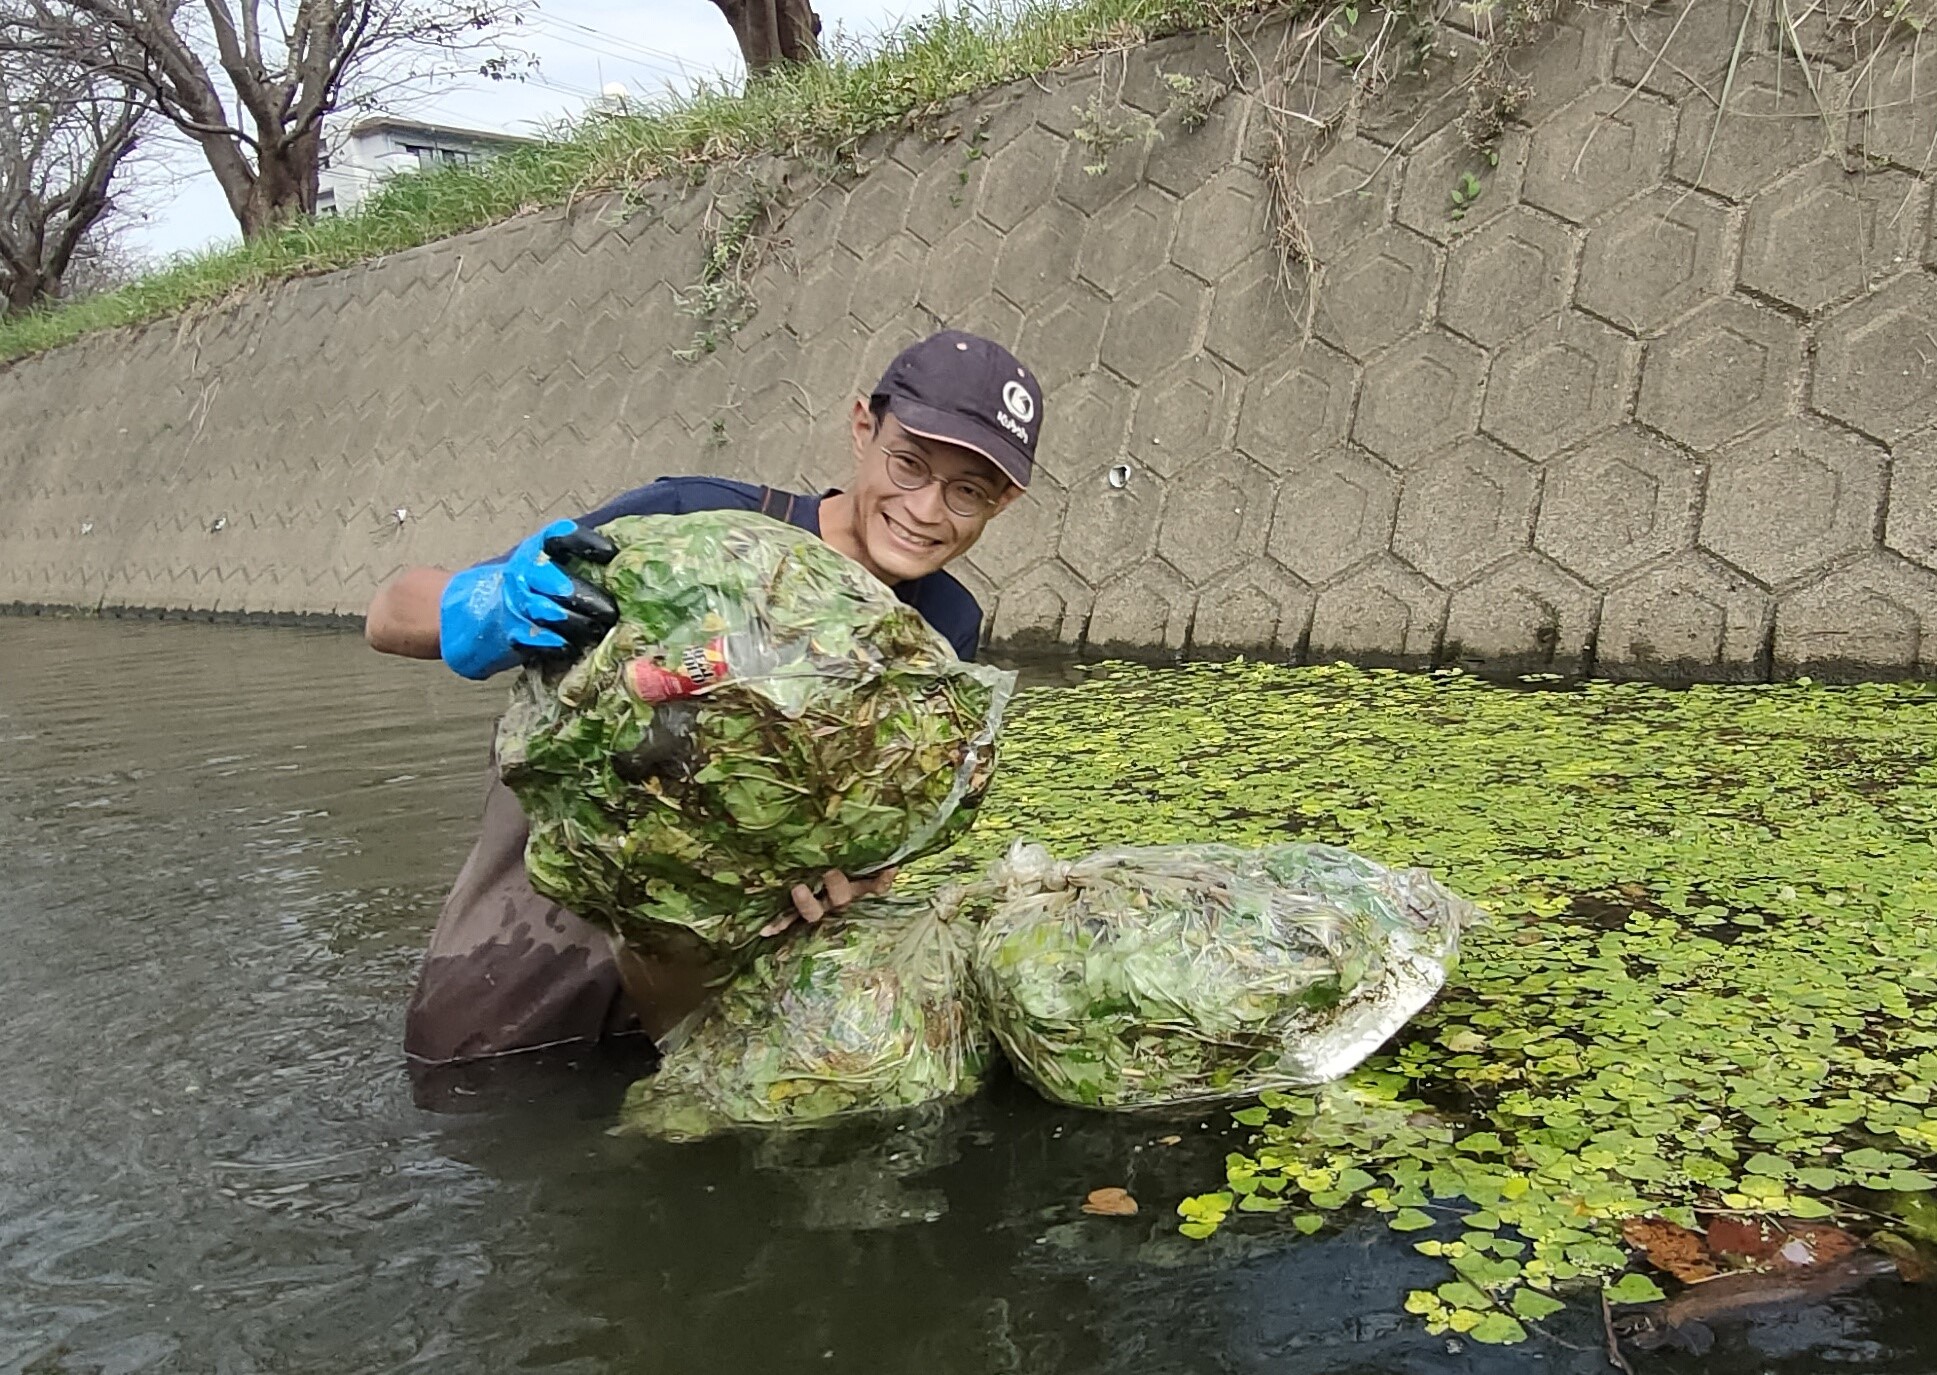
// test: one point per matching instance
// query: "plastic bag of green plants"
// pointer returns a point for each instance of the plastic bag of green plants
(763, 711)
(1146, 977)
(865, 1013)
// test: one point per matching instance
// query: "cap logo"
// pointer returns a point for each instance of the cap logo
(1019, 403)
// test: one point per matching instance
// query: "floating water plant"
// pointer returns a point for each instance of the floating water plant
(1708, 981)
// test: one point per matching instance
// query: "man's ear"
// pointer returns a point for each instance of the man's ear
(1002, 503)
(861, 424)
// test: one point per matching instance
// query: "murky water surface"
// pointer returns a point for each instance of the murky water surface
(221, 850)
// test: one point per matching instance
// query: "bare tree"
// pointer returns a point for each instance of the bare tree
(771, 32)
(259, 122)
(64, 134)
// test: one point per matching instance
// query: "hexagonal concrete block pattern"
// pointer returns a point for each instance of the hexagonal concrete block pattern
(1791, 500)
(1220, 223)
(1087, 420)
(1679, 50)
(889, 282)
(1378, 293)
(1254, 317)
(1559, 385)
(1149, 609)
(1825, 235)
(944, 193)
(1691, 618)
(1182, 415)
(1290, 413)
(1420, 397)
(1123, 242)
(1659, 259)
(1218, 519)
(1090, 185)
(1463, 509)
(1047, 606)
(1182, 160)
(1013, 184)
(876, 208)
(1912, 530)
(1039, 255)
(1109, 530)
(1726, 368)
(825, 290)
(1622, 501)
(1597, 152)
(1876, 367)
(1442, 163)
(1348, 193)
(1772, 126)
(1259, 608)
(1876, 615)
(961, 269)
(1332, 512)
(1507, 276)
(1153, 322)
(1061, 336)
(1565, 62)
(1383, 612)
(1525, 614)
(1901, 120)
(1024, 535)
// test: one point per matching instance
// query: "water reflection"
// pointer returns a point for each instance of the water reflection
(221, 850)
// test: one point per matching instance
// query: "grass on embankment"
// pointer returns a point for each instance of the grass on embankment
(819, 109)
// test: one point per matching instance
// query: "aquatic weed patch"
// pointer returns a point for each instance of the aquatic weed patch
(1709, 983)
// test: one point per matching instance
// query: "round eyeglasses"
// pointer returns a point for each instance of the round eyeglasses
(965, 498)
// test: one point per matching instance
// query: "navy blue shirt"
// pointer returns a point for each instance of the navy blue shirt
(942, 601)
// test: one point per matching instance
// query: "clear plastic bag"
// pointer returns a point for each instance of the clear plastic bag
(764, 711)
(867, 1013)
(1148, 977)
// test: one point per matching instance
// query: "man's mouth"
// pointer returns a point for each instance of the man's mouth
(915, 543)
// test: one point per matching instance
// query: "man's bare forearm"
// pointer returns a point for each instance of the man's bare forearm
(403, 616)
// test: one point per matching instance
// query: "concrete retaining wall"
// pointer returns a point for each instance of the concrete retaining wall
(1662, 398)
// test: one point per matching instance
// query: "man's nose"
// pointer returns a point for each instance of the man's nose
(925, 503)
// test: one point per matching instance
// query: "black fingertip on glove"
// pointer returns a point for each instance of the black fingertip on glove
(581, 543)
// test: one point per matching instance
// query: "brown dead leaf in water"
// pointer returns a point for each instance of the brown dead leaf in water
(1779, 1243)
(1110, 1202)
(1168, 1140)
(1913, 1266)
(1671, 1248)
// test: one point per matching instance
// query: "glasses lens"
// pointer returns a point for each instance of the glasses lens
(907, 473)
(966, 499)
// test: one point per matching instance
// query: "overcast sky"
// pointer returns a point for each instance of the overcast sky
(580, 44)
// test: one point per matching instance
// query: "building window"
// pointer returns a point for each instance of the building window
(429, 157)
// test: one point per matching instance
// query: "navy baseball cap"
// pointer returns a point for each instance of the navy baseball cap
(964, 389)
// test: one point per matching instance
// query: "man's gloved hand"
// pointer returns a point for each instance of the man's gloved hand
(526, 608)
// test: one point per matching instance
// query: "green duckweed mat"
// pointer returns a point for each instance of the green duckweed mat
(1706, 984)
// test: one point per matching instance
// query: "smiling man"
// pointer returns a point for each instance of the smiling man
(946, 441)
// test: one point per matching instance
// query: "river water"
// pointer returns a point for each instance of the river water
(221, 850)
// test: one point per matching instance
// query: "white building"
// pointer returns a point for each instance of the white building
(377, 148)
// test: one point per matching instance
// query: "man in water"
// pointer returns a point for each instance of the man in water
(945, 442)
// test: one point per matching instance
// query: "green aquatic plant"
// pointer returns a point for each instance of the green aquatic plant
(1152, 976)
(868, 1013)
(1709, 981)
(763, 711)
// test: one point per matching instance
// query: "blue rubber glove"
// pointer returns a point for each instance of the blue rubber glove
(527, 608)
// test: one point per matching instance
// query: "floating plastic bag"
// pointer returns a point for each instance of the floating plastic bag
(865, 1013)
(1145, 977)
(764, 711)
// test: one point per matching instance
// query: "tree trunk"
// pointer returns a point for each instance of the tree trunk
(285, 184)
(771, 32)
(24, 292)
